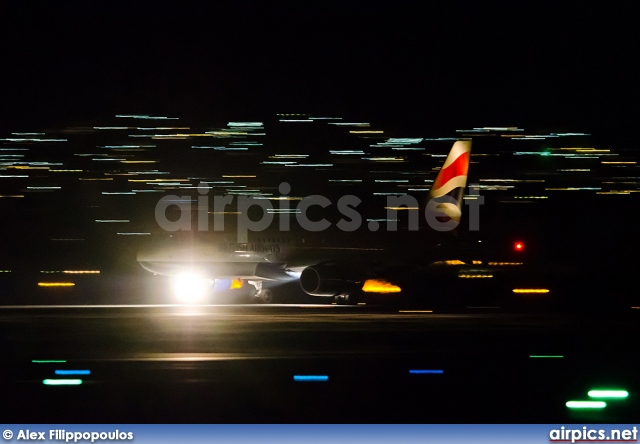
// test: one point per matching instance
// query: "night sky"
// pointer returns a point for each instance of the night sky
(409, 64)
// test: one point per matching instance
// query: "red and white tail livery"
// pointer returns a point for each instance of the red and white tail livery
(448, 188)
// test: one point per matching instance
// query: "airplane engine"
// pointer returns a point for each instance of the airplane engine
(329, 279)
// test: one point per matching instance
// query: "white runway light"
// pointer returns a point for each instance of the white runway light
(190, 287)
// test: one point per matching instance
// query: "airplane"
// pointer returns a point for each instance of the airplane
(334, 265)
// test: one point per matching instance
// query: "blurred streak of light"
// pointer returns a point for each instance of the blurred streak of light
(161, 128)
(34, 140)
(73, 372)
(81, 271)
(310, 378)
(62, 381)
(426, 372)
(546, 356)
(415, 311)
(310, 165)
(67, 171)
(608, 394)
(284, 211)
(134, 234)
(95, 178)
(138, 161)
(11, 195)
(449, 262)
(586, 404)
(295, 120)
(366, 132)
(346, 152)
(379, 286)
(5, 271)
(530, 290)
(246, 124)
(56, 284)
(112, 220)
(474, 276)
(48, 361)
(384, 159)
(118, 192)
(576, 169)
(289, 156)
(238, 177)
(501, 264)
(618, 163)
(574, 189)
(157, 180)
(235, 148)
(350, 123)
(145, 117)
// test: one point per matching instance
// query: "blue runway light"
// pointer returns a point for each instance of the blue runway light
(426, 372)
(73, 372)
(311, 378)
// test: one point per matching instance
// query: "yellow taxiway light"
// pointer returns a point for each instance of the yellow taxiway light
(449, 262)
(56, 284)
(235, 284)
(379, 286)
(530, 290)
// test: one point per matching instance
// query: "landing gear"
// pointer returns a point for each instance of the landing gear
(347, 299)
(262, 295)
(265, 296)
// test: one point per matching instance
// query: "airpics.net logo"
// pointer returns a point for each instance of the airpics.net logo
(591, 434)
(440, 213)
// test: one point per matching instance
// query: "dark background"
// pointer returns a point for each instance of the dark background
(411, 64)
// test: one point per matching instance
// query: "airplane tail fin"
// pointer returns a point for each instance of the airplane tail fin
(448, 187)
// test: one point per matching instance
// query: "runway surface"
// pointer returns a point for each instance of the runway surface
(312, 363)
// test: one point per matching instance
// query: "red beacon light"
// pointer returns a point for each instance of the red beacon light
(518, 246)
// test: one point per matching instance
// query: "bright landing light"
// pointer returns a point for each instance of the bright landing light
(190, 287)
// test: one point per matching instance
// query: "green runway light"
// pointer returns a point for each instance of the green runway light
(48, 361)
(62, 381)
(608, 393)
(546, 356)
(586, 404)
